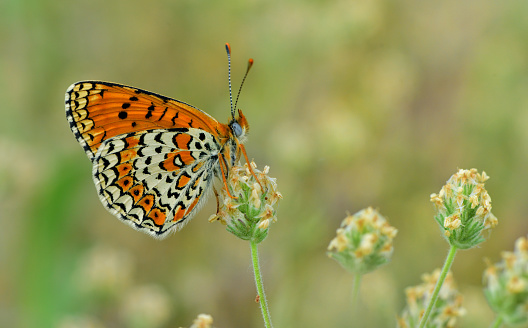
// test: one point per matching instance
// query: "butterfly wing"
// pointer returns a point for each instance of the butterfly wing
(98, 111)
(156, 180)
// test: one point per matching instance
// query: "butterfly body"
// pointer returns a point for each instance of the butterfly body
(154, 158)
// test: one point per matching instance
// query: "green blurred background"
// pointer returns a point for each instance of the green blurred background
(351, 103)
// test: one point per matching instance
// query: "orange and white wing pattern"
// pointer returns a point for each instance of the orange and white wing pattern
(156, 180)
(154, 158)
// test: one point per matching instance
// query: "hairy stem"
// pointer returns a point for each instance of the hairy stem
(447, 265)
(260, 287)
(498, 322)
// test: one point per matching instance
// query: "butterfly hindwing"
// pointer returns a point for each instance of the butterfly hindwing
(155, 180)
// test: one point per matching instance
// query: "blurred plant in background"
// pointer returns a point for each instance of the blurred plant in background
(202, 321)
(363, 243)
(507, 285)
(448, 306)
(104, 272)
(105, 280)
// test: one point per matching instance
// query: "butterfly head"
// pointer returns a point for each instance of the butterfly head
(239, 127)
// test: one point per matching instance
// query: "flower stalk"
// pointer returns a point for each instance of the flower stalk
(260, 286)
(247, 211)
(463, 212)
(362, 244)
(447, 266)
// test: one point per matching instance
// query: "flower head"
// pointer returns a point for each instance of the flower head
(363, 242)
(249, 207)
(105, 272)
(448, 305)
(507, 284)
(146, 306)
(463, 209)
(203, 321)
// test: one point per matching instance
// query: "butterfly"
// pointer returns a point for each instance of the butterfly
(154, 158)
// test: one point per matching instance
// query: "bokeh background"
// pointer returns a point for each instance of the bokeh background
(351, 104)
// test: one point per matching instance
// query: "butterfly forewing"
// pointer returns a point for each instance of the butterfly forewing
(155, 180)
(99, 110)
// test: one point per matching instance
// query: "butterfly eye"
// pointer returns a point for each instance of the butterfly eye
(236, 128)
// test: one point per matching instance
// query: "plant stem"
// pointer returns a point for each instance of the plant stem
(497, 323)
(439, 283)
(355, 289)
(260, 287)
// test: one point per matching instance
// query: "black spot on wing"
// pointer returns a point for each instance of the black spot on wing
(158, 138)
(173, 118)
(165, 111)
(173, 194)
(120, 205)
(110, 147)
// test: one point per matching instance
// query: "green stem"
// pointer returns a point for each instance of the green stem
(355, 289)
(439, 283)
(260, 287)
(497, 323)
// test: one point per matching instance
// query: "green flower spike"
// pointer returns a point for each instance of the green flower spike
(507, 285)
(448, 306)
(464, 209)
(363, 242)
(251, 209)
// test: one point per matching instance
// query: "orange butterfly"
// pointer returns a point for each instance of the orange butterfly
(154, 158)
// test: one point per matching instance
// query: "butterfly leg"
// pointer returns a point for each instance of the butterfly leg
(217, 201)
(249, 164)
(222, 165)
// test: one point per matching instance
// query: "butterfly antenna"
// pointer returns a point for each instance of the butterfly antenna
(250, 64)
(228, 50)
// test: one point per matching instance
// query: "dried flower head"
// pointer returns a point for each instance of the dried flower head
(363, 242)
(251, 206)
(464, 209)
(105, 271)
(448, 305)
(507, 284)
(146, 306)
(203, 321)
